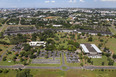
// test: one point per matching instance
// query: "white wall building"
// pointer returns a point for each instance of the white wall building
(57, 25)
(91, 50)
(37, 43)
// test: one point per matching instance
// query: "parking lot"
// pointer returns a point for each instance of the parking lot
(53, 57)
(48, 57)
(71, 57)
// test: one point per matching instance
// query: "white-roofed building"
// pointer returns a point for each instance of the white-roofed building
(57, 25)
(37, 43)
(85, 50)
(91, 50)
(96, 48)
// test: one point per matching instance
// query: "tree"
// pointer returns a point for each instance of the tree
(1, 35)
(50, 47)
(90, 39)
(33, 56)
(71, 48)
(83, 33)
(89, 60)
(102, 63)
(24, 73)
(81, 64)
(114, 56)
(4, 58)
(0, 24)
(99, 34)
(27, 47)
(101, 40)
(92, 62)
(108, 54)
(21, 59)
(6, 71)
(46, 56)
(1, 70)
(0, 49)
(111, 62)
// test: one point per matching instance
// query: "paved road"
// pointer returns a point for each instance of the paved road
(61, 30)
(99, 67)
(47, 67)
(29, 67)
(63, 61)
(113, 26)
(4, 25)
(13, 67)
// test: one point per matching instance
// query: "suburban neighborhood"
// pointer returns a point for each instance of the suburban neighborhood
(57, 41)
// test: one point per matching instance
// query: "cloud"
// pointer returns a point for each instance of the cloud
(82, 1)
(53, 1)
(50, 1)
(108, 0)
(71, 1)
(47, 1)
(19, 0)
(74, 0)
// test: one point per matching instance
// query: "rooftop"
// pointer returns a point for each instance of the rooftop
(90, 48)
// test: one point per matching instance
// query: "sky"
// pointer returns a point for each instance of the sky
(57, 3)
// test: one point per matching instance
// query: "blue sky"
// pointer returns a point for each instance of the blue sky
(58, 3)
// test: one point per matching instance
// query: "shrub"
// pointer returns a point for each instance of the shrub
(6, 71)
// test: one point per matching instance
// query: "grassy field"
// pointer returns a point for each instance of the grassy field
(5, 39)
(98, 61)
(4, 48)
(111, 44)
(112, 30)
(59, 73)
(9, 57)
(4, 28)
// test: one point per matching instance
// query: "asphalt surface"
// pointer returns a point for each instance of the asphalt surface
(47, 67)
(63, 61)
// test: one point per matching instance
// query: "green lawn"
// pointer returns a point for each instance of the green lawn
(112, 30)
(98, 61)
(4, 48)
(59, 73)
(5, 39)
(111, 44)
(9, 57)
(11, 73)
(7, 63)
(64, 67)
